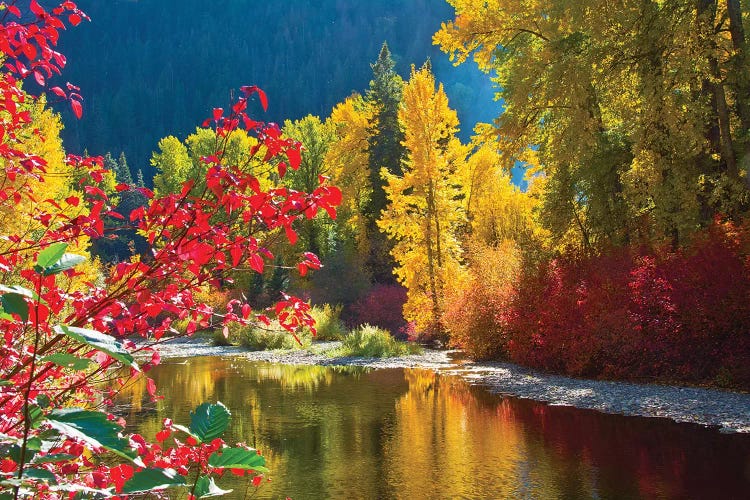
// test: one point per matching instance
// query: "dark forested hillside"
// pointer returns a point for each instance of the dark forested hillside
(149, 68)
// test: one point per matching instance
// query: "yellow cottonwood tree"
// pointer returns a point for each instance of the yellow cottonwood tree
(425, 204)
(348, 159)
(59, 187)
(640, 110)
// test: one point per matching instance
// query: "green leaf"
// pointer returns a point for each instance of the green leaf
(14, 303)
(50, 255)
(91, 427)
(209, 421)
(206, 487)
(153, 479)
(67, 361)
(40, 474)
(185, 430)
(35, 415)
(99, 341)
(43, 401)
(238, 458)
(82, 492)
(54, 458)
(29, 294)
(67, 261)
(34, 444)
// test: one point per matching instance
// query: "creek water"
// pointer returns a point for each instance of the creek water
(346, 432)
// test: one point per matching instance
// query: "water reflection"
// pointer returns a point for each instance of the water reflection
(355, 433)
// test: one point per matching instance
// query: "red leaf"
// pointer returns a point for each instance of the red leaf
(162, 436)
(73, 200)
(39, 78)
(256, 263)
(77, 108)
(151, 386)
(59, 92)
(236, 253)
(302, 268)
(295, 157)
(291, 235)
(36, 8)
(218, 112)
(263, 99)
(282, 169)
(74, 19)
(29, 51)
(246, 310)
(122, 187)
(14, 10)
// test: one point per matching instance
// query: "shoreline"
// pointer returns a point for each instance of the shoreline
(727, 411)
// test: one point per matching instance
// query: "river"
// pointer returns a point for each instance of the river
(349, 432)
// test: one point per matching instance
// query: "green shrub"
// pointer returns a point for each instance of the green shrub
(328, 323)
(369, 341)
(266, 338)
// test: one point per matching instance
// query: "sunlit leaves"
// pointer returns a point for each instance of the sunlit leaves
(209, 421)
(99, 341)
(91, 427)
(238, 458)
(424, 210)
(153, 479)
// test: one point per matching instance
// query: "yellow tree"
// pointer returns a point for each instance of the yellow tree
(348, 158)
(59, 190)
(425, 207)
(640, 110)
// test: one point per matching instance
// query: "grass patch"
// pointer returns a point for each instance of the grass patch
(264, 338)
(369, 341)
(328, 322)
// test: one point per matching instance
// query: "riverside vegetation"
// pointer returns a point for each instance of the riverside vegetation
(626, 255)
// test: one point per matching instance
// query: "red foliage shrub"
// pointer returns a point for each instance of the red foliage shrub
(632, 313)
(381, 307)
(476, 311)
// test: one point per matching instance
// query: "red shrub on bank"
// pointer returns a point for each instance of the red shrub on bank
(635, 314)
(476, 310)
(381, 307)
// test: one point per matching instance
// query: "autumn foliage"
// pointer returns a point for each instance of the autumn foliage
(67, 334)
(641, 314)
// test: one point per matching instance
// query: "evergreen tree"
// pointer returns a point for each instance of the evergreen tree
(123, 171)
(385, 152)
(139, 179)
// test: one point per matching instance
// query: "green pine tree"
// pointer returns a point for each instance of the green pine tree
(386, 151)
(122, 173)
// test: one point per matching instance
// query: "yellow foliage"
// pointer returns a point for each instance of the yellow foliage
(425, 211)
(639, 110)
(348, 159)
(42, 138)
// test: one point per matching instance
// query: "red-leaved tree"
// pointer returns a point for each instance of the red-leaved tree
(60, 342)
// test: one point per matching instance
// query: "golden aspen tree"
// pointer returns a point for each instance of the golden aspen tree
(348, 159)
(425, 205)
(58, 188)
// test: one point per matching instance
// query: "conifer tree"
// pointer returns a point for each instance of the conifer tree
(385, 151)
(123, 171)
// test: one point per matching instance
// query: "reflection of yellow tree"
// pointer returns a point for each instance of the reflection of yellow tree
(308, 378)
(447, 443)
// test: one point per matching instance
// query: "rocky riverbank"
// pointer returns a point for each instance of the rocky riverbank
(728, 411)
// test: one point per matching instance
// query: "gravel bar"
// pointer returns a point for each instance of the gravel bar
(728, 411)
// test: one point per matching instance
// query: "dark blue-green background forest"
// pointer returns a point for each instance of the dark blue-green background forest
(151, 68)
